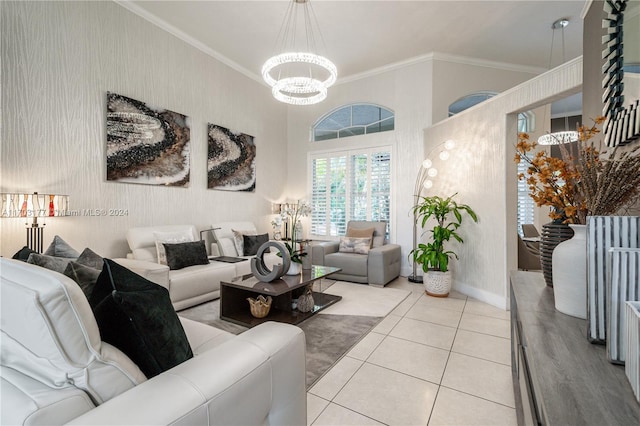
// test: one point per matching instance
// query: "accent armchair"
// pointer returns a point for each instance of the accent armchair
(376, 264)
(528, 255)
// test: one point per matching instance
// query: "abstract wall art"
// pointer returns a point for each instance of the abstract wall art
(146, 144)
(231, 160)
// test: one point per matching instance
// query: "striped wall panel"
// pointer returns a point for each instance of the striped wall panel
(632, 366)
(603, 233)
(623, 285)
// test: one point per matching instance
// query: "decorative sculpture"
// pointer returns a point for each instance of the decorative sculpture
(260, 270)
(305, 301)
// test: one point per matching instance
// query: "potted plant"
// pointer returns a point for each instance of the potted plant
(433, 256)
(295, 212)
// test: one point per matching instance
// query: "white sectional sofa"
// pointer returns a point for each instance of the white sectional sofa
(56, 370)
(224, 244)
(194, 284)
(188, 286)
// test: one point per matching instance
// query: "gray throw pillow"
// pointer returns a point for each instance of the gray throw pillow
(84, 276)
(60, 248)
(181, 255)
(90, 258)
(58, 264)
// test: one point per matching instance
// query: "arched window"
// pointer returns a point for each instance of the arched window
(468, 101)
(352, 120)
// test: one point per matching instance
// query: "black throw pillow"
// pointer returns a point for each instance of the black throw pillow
(136, 316)
(181, 255)
(84, 276)
(23, 254)
(253, 242)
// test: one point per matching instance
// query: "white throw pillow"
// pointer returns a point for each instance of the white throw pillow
(354, 245)
(170, 237)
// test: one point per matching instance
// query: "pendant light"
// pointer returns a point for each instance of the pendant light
(299, 75)
(566, 136)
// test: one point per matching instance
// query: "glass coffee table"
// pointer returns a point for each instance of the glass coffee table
(234, 306)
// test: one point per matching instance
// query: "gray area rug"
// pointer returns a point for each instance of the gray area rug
(328, 336)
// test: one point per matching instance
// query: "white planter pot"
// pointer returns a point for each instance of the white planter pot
(570, 274)
(294, 269)
(437, 283)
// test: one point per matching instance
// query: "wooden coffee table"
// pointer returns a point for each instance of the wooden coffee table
(234, 306)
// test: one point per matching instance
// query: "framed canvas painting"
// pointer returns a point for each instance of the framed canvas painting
(146, 144)
(231, 160)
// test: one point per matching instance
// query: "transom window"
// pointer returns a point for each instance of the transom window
(352, 120)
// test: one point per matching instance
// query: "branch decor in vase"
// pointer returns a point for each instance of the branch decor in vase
(584, 181)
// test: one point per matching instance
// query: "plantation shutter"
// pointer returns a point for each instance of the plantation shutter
(358, 194)
(526, 204)
(381, 187)
(345, 186)
(319, 200)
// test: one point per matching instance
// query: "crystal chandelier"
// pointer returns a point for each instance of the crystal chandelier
(567, 136)
(558, 138)
(299, 77)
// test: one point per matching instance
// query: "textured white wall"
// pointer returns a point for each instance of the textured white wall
(409, 91)
(406, 91)
(455, 79)
(481, 170)
(59, 60)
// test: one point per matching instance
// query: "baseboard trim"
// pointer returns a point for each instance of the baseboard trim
(481, 295)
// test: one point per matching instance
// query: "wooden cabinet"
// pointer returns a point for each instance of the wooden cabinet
(559, 378)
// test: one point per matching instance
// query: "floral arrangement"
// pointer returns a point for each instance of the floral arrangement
(585, 181)
(295, 212)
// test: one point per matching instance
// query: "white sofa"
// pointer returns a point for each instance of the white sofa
(224, 245)
(188, 286)
(56, 370)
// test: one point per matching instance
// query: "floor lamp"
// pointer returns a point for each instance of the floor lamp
(423, 182)
(34, 206)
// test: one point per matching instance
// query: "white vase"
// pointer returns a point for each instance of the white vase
(570, 274)
(437, 283)
(294, 269)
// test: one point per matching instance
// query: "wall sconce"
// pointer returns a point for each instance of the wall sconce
(34, 206)
(423, 182)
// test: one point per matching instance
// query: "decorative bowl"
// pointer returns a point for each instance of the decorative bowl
(260, 306)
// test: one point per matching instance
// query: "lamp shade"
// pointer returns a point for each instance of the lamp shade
(34, 205)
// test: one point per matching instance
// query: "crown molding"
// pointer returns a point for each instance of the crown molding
(188, 39)
(380, 70)
(585, 9)
(444, 57)
(386, 68)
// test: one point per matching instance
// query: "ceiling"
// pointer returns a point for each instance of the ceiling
(363, 36)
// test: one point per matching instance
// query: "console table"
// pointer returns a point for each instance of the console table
(559, 378)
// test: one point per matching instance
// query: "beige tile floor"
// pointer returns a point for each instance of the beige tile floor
(431, 361)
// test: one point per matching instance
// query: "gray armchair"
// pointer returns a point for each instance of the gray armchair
(528, 255)
(378, 267)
